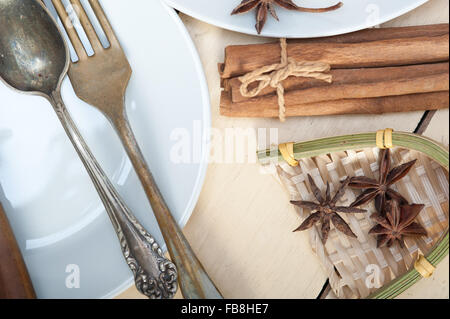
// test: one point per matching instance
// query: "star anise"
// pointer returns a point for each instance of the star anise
(265, 6)
(380, 190)
(327, 211)
(398, 223)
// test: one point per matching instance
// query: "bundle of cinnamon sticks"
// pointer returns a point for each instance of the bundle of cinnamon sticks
(374, 71)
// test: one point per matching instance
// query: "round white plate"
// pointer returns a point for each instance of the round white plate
(354, 15)
(67, 240)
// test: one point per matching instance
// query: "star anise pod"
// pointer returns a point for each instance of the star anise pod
(380, 189)
(398, 223)
(326, 211)
(263, 7)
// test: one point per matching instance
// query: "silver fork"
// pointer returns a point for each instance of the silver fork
(101, 81)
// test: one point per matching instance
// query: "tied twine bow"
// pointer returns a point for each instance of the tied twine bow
(274, 74)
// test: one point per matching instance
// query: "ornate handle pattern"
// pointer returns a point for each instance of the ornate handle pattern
(194, 281)
(155, 276)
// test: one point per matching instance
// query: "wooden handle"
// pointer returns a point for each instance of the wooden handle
(240, 60)
(15, 283)
(192, 277)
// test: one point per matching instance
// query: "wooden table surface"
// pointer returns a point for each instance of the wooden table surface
(241, 228)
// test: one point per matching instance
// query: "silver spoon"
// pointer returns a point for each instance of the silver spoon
(34, 59)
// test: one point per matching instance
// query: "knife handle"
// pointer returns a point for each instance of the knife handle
(15, 282)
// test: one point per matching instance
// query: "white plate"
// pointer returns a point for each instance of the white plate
(354, 15)
(58, 219)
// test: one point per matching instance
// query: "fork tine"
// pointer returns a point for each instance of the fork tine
(87, 26)
(104, 22)
(70, 29)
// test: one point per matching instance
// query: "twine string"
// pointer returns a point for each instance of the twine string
(273, 75)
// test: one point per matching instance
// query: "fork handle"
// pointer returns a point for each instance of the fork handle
(192, 277)
(155, 276)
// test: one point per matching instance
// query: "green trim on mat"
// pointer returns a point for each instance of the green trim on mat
(401, 284)
(358, 141)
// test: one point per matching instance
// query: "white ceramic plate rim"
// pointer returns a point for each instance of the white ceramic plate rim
(251, 30)
(206, 145)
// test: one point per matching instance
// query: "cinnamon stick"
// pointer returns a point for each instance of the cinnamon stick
(355, 83)
(367, 35)
(378, 105)
(240, 60)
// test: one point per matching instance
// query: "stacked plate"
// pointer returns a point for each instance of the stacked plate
(354, 15)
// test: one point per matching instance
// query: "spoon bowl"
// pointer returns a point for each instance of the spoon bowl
(34, 56)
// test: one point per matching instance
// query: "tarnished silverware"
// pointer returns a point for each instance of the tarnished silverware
(101, 80)
(34, 59)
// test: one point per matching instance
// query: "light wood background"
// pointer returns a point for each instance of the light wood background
(241, 228)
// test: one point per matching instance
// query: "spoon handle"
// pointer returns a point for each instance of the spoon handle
(155, 276)
(194, 281)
